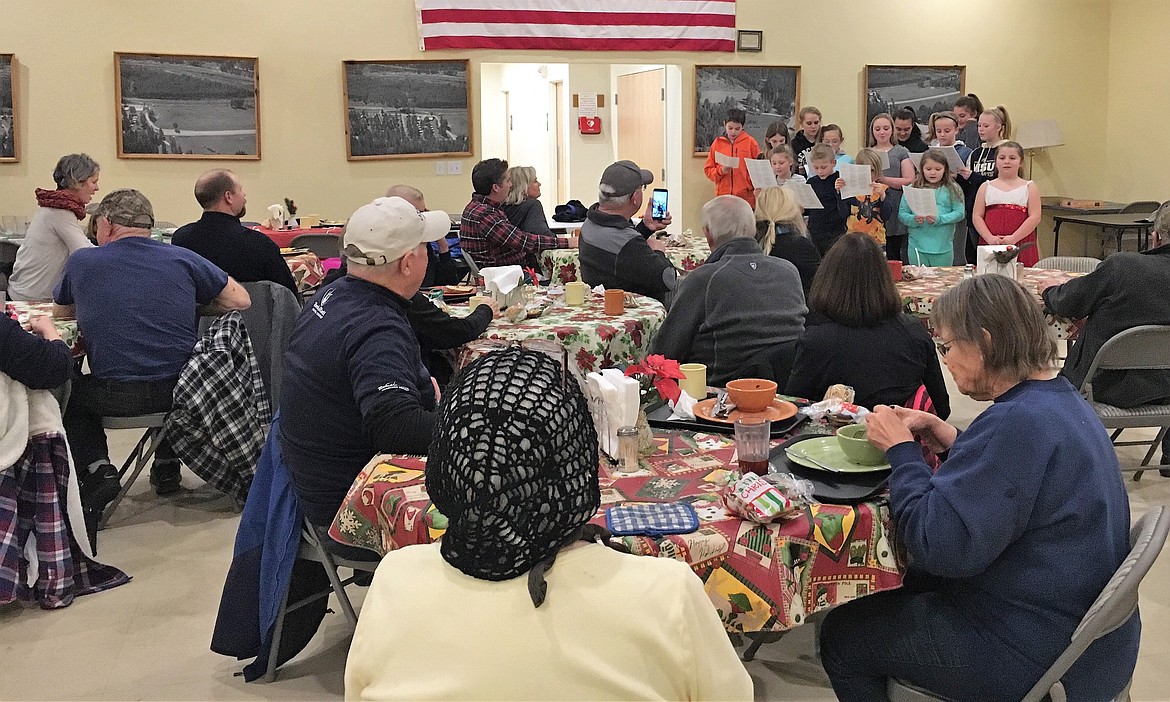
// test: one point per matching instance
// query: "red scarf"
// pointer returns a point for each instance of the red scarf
(61, 200)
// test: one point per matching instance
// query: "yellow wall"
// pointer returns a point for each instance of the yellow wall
(1041, 58)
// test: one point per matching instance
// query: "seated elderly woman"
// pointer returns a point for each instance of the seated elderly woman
(55, 231)
(1010, 542)
(857, 334)
(517, 600)
(522, 206)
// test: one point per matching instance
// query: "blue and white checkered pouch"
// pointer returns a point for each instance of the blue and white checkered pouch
(652, 519)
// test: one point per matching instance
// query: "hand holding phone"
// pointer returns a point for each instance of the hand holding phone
(658, 204)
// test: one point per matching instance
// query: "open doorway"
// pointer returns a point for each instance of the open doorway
(530, 118)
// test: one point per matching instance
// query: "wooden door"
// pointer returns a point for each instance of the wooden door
(641, 121)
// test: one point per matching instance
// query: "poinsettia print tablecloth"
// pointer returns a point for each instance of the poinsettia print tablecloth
(759, 577)
(564, 265)
(918, 296)
(592, 339)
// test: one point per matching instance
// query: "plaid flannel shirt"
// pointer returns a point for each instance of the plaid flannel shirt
(492, 240)
(33, 510)
(221, 413)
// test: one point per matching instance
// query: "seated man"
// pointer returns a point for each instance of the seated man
(484, 229)
(1126, 290)
(244, 254)
(136, 301)
(519, 595)
(441, 268)
(614, 252)
(736, 306)
(354, 383)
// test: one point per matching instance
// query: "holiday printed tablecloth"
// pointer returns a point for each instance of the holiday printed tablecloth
(67, 328)
(919, 295)
(306, 269)
(592, 339)
(759, 577)
(563, 265)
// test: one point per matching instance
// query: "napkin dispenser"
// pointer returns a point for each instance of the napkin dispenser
(985, 262)
(503, 283)
(613, 402)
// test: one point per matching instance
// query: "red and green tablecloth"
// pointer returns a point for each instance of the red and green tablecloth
(760, 577)
(67, 328)
(563, 265)
(919, 295)
(306, 269)
(592, 339)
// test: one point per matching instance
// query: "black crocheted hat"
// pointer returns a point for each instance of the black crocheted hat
(512, 464)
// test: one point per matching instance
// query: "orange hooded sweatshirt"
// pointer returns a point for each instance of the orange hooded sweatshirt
(737, 181)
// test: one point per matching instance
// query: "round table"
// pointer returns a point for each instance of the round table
(592, 339)
(563, 265)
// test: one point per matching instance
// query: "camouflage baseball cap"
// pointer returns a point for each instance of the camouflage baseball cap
(126, 207)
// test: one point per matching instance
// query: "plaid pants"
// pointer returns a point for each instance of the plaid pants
(32, 506)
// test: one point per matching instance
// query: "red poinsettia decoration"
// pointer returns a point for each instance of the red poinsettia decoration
(662, 372)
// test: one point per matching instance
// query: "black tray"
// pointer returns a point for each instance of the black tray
(657, 417)
(834, 488)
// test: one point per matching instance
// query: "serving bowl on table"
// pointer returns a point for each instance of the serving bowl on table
(751, 394)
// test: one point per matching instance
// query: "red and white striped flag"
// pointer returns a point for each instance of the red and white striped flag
(585, 25)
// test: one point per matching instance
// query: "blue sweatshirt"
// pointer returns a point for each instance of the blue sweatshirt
(1022, 526)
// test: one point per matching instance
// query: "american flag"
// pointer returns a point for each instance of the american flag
(585, 25)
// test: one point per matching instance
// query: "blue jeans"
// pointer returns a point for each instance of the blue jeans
(919, 638)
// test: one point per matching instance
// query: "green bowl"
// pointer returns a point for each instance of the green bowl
(852, 441)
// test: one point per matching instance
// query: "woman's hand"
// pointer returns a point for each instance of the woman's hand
(936, 434)
(884, 428)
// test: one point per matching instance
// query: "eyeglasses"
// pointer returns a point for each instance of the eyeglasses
(944, 347)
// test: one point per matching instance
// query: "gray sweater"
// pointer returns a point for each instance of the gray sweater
(732, 309)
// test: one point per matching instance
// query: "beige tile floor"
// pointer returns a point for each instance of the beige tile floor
(149, 639)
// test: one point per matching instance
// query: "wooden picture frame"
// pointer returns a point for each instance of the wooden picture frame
(407, 109)
(9, 122)
(187, 106)
(927, 89)
(767, 93)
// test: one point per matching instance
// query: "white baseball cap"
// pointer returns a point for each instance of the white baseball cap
(388, 228)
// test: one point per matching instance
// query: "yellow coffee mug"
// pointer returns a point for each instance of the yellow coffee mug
(476, 301)
(694, 382)
(575, 293)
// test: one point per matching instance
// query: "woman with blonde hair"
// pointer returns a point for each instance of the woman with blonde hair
(522, 206)
(781, 232)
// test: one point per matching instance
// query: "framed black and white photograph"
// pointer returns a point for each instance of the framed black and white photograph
(407, 109)
(767, 93)
(9, 146)
(183, 106)
(925, 89)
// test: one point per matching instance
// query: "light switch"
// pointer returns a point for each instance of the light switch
(455, 167)
(440, 167)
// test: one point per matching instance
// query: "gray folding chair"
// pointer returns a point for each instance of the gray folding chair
(470, 264)
(154, 425)
(1146, 347)
(324, 245)
(1112, 608)
(1075, 264)
(312, 549)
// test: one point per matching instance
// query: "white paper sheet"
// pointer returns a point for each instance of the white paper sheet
(858, 180)
(726, 160)
(885, 157)
(587, 104)
(805, 194)
(760, 171)
(921, 201)
(916, 159)
(953, 158)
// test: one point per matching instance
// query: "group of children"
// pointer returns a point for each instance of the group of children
(997, 206)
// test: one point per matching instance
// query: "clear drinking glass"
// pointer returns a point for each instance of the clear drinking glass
(752, 444)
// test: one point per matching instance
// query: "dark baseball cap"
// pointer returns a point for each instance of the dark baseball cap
(623, 178)
(127, 207)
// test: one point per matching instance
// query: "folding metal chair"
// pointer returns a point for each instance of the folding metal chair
(323, 245)
(1146, 347)
(1075, 264)
(1112, 608)
(312, 549)
(155, 426)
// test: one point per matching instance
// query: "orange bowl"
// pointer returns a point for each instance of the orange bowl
(751, 394)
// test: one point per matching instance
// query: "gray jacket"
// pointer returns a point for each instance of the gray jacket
(732, 309)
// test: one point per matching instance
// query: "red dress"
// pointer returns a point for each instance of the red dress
(1006, 211)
